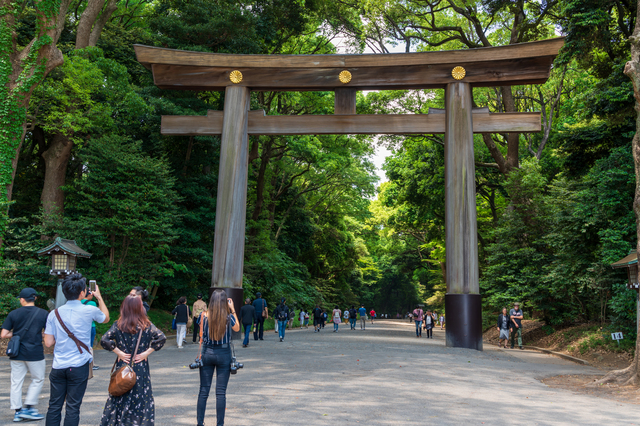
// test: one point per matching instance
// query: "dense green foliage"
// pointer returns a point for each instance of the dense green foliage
(550, 220)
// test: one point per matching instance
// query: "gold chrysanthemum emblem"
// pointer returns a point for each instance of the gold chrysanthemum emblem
(235, 77)
(344, 77)
(458, 73)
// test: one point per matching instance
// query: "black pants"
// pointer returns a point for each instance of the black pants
(196, 331)
(214, 358)
(259, 327)
(67, 384)
(429, 333)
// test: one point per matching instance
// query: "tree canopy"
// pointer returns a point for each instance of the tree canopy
(83, 157)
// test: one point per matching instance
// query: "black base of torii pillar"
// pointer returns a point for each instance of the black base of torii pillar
(463, 303)
(231, 206)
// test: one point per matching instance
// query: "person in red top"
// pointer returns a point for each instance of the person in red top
(372, 313)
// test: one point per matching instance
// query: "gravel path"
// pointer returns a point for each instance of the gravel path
(381, 376)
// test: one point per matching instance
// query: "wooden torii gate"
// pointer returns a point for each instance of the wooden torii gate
(455, 71)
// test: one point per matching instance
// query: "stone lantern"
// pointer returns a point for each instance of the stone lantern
(64, 255)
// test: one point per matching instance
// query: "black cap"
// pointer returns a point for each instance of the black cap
(28, 294)
(258, 294)
(283, 300)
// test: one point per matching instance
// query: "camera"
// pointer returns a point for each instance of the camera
(195, 364)
(235, 365)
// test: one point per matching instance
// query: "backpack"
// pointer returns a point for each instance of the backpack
(282, 314)
(353, 313)
(336, 314)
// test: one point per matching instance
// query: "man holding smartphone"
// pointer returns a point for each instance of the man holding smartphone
(69, 329)
(88, 301)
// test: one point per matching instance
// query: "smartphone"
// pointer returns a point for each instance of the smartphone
(92, 285)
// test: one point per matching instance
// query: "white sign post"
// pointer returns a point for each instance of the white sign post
(617, 337)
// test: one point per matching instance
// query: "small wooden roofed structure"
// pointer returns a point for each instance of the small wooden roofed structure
(630, 262)
(60, 245)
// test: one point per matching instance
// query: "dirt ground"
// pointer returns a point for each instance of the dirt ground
(534, 335)
(578, 384)
(599, 358)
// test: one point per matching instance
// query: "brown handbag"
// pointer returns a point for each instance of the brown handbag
(123, 380)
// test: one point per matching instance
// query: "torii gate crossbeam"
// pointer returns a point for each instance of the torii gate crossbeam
(455, 71)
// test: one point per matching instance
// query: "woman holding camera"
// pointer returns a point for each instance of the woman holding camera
(216, 325)
(135, 407)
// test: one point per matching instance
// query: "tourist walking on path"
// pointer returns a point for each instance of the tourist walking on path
(262, 313)
(69, 329)
(217, 323)
(441, 321)
(88, 301)
(181, 311)
(247, 317)
(323, 319)
(317, 318)
(503, 328)
(363, 317)
(346, 316)
(281, 314)
(292, 315)
(135, 407)
(337, 318)
(143, 295)
(516, 316)
(302, 314)
(353, 316)
(429, 323)
(27, 322)
(418, 316)
(198, 307)
(373, 314)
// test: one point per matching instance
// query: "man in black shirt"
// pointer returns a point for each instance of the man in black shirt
(516, 317)
(28, 323)
(260, 306)
(317, 318)
(247, 315)
(353, 316)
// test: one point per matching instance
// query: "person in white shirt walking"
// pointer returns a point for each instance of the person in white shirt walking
(69, 329)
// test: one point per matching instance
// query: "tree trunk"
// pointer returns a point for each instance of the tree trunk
(630, 375)
(56, 159)
(111, 7)
(87, 20)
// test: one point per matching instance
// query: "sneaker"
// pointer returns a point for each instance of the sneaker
(16, 417)
(95, 367)
(521, 348)
(179, 347)
(29, 414)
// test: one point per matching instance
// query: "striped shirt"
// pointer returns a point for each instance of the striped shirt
(231, 321)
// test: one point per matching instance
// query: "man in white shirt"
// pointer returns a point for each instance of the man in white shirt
(69, 328)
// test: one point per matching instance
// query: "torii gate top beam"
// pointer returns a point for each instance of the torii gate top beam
(525, 63)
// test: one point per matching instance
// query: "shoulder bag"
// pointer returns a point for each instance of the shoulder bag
(264, 309)
(13, 348)
(123, 380)
(189, 318)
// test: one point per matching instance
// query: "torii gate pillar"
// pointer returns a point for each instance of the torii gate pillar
(231, 206)
(462, 302)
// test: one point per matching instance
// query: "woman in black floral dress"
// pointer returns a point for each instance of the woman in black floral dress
(136, 407)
